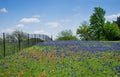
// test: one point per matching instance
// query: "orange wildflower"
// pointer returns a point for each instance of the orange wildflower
(63, 55)
(43, 74)
(21, 72)
(39, 75)
(53, 57)
(48, 55)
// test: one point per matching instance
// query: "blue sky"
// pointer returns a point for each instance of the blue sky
(51, 16)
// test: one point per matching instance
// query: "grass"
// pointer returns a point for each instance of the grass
(11, 48)
(53, 61)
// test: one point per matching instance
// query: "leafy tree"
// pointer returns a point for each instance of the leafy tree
(9, 37)
(16, 35)
(97, 21)
(118, 21)
(111, 31)
(19, 34)
(83, 31)
(66, 35)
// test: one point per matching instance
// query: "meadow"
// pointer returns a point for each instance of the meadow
(64, 59)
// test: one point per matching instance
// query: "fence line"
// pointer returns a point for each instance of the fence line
(12, 44)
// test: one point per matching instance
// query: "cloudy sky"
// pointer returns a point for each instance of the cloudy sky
(51, 16)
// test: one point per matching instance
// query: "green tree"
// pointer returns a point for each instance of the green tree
(16, 35)
(118, 21)
(83, 31)
(19, 34)
(66, 35)
(97, 21)
(111, 31)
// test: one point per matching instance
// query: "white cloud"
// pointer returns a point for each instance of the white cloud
(53, 24)
(113, 16)
(4, 10)
(41, 32)
(30, 20)
(10, 30)
(20, 25)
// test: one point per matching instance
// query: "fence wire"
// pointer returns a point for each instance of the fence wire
(10, 45)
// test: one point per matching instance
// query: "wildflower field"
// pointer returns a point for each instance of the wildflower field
(64, 59)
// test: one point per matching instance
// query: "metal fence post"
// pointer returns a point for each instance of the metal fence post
(4, 43)
(28, 40)
(51, 37)
(19, 41)
(36, 39)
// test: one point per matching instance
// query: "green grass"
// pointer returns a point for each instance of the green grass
(11, 48)
(37, 62)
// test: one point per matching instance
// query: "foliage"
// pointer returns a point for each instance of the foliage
(118, 21)
(34, 41)
(83, 31)
(16, 35)
(97, 21)
(111, 31)
(98, 29)
(66, 35)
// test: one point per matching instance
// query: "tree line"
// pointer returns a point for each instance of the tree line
(97, 28)
(21, 36)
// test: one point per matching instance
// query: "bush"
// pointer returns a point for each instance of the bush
(66, 35)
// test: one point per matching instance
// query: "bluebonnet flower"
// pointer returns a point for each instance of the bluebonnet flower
(91, 46)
